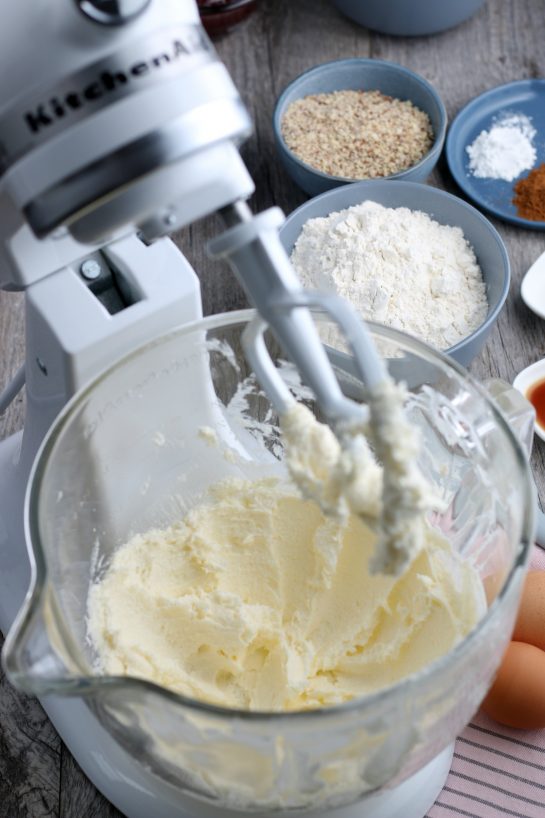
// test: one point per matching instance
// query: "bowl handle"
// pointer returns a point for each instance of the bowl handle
(519, 412)
(521, 416)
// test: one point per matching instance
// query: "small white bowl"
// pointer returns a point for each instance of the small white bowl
(532, 289)
(525, 379)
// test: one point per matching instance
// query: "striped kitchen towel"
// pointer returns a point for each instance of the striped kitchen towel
(496, 771)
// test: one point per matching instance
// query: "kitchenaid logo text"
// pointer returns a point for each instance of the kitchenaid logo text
(106, 82)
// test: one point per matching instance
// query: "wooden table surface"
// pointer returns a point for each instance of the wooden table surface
(503, 42)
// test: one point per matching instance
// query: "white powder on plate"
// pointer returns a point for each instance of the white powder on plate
(505, 151)
(398, 267)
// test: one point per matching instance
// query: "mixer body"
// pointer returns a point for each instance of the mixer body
(109, 129)
(113, 128)
(64, 350)
(122, 127)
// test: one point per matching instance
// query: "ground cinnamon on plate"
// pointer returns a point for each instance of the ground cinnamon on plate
(529, 198)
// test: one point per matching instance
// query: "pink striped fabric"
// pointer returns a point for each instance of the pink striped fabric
(496, 771)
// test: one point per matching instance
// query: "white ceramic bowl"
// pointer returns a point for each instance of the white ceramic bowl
(532, 289)
(525, 379)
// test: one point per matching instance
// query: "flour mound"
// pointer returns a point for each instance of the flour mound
(396, 266)
(505, 151)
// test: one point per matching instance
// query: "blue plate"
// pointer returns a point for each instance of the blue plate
(523, 97)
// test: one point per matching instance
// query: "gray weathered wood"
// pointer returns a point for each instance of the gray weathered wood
(503, 42)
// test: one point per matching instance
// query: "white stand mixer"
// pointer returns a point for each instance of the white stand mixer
(125, 129)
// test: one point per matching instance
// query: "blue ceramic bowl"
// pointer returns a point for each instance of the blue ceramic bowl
(360, 74)
(444, 208)
(496, 195)
(408, 18)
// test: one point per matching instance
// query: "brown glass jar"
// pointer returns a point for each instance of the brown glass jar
(219, 16)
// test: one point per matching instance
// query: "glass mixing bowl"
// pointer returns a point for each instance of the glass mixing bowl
(130, 453)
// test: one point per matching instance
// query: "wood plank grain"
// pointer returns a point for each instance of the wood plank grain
(503, 42)
(12, 345)
(78, 798)
(29, 757)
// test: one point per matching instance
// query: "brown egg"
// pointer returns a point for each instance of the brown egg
(530, 624)
(517, 697)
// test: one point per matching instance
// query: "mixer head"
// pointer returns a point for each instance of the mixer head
(126, 117)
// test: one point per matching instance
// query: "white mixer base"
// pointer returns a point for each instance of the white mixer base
(139, 794)
(412, 799)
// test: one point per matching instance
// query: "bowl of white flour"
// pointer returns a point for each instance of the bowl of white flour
(405, 255)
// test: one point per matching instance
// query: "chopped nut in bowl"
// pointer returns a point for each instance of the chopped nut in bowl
(356, 119)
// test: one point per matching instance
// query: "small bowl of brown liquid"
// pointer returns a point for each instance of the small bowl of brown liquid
(531, 383)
